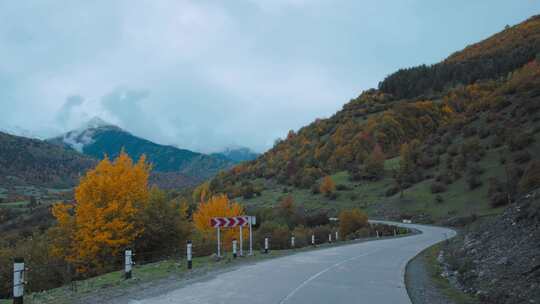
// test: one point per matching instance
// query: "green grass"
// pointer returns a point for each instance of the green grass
(458, 200)
(434, 269)
(360, 195)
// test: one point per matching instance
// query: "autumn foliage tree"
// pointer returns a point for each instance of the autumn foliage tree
(351, 220)
(165, 223)
(327, 186)
(374, 166)
(217, 206)
(106, 216)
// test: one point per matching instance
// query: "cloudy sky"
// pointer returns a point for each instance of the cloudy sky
(208, 74)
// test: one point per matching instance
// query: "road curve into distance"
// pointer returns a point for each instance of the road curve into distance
(370, 272)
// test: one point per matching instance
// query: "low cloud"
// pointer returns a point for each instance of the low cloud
(204, 75)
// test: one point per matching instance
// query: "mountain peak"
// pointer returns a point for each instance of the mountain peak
(84, 135)
(95, 123)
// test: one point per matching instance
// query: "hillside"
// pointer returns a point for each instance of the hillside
(98, 138)
(237, 154)
(31, 161)
(433, 147)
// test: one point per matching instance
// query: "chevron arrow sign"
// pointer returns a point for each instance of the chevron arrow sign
(234, 221)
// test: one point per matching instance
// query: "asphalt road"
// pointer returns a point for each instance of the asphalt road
(370, 272)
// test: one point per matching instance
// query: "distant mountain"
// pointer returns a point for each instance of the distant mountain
(18, 131)
(26, 161)
(238, 154)
(98, 138)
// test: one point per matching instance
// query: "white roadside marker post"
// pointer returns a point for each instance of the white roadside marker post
(128, 264)
(18, 281)
(377, 233)
(241, 242)
(313, 239)
(189, 255)
(218, 243)
(337, 237)
(292, 241)
(234, 248)
(395, 232)
(330, 237)
(266, 245)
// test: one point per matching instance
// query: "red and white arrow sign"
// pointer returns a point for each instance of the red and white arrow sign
(229, 221)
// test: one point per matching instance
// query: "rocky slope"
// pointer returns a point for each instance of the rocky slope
(499, 259)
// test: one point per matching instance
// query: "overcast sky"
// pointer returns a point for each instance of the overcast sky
(208, 74)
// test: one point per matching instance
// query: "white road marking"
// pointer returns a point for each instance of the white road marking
(318, 274)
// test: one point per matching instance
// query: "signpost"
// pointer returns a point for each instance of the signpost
(231, 222)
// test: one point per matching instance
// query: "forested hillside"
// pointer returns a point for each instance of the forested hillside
(469, 124)
(32, 161)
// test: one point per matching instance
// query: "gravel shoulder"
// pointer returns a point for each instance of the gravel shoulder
(420, 285)
(424, 282)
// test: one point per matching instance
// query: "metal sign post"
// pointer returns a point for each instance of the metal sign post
(231, 222)
(218, 243)
(250, 235)
(241, 242)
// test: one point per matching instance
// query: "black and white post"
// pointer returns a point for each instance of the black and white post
(128, 264)
(337, 236)
(266, 245)
(18, 280)
(189, 255)
(234, 248)
(377, 233)
(395, 232)
(313, 239)
(330, 237)
(292, 241)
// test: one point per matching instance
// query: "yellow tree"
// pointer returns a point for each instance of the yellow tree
(327, 186)
(106, 216)
(351, 220)
(201, 192)
(217, 206)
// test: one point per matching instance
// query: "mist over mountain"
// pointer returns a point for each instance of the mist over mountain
(98, 138)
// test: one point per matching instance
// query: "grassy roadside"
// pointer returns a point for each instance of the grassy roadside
(429, 258)
(155, 273)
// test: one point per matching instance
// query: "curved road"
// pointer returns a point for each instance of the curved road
(369, 272)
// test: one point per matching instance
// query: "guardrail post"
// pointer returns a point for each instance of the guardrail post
(128, 263)
(266, 245)
(18, 280)
(234, 248)
(189, 255)
(292, 241)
